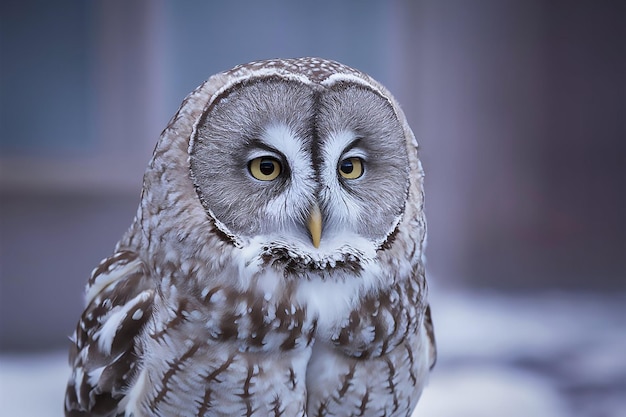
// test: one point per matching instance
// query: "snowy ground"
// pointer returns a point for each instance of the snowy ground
(545, 356)
(548, 356)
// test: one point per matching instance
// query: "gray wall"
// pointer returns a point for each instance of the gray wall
(519, 107)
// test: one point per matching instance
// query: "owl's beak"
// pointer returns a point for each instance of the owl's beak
(315, 225)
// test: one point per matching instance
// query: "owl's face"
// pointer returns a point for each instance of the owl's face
(301, 168)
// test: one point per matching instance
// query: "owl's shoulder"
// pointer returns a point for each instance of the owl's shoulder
(105, 350)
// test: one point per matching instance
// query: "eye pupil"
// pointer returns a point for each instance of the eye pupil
(351, 168)
(266, 166)
(347, 167)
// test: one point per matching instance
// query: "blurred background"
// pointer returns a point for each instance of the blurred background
(520, 111)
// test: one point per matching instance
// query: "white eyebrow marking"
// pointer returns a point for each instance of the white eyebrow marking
(336, 143)
(346, 208)
(281, 138)
(298, 196)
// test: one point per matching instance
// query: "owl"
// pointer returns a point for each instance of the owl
(275, 263)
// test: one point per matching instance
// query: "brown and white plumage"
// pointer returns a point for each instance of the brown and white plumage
(295, 291)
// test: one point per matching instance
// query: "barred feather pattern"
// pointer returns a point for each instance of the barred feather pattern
(105, 353)
(253, 346)
(188, 318)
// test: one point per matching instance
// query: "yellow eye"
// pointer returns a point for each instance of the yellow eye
(264, 168)
(351, 168)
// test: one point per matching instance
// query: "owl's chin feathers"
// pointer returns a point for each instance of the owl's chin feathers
(301, 260)
(345, 259)
(302, 256)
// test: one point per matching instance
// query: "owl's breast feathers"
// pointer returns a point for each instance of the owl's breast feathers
(122, 326)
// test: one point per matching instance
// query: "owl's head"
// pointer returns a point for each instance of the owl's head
(302, 162)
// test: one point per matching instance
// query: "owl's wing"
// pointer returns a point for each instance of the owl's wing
(430, 332)
(105, 346)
